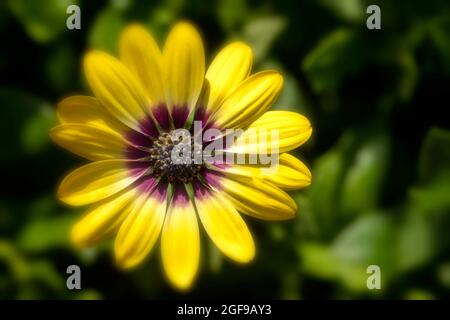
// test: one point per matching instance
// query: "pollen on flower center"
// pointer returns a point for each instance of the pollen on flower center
(170, 164)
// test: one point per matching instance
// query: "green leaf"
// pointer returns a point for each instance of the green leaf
(87, 294)
(443, 274)
(26, 131)
(292, 96)
(434, 156)
(35, 131)
(409, 75)
(261, 33)
(317, 261)
(320, 262)
(46, 233)
(419, 294)
(439, 31)
(416, 243)
(433, 198)
(368, 241)
(42, 207)
(60, 68)
(42, 20)
(105, 32)
(323, 192)
(338, 55)
(350, 10)
(363, 180)
(231, 13)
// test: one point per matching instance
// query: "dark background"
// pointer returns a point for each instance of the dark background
(380, 153)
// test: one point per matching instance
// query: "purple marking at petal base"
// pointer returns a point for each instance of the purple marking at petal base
(200, 191)
(136, 168)
(131, 153)
(136, 140)
(180, 115)
(212, 177)
(203, 116)
(146, 184)
(180, 196)
(161, 114)
(160, 192)
(148, 127)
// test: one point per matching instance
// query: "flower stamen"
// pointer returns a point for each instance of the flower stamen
(163, 166)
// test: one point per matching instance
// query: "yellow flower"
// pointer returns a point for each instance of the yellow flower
(136, 190)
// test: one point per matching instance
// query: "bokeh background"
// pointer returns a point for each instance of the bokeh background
(380, 153)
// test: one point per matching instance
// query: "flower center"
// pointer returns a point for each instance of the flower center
(172, 159)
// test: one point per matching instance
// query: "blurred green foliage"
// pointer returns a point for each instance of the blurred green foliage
(380, 154)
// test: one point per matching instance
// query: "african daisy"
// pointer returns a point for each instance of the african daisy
(135, 188)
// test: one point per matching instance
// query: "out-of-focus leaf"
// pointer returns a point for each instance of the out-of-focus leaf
(42, 20)
(368, 241)
(434, 157)
(416, 243)
(419, 294)
(350, 10)
(121, 4)
(215, 258)
(365, 240)
(439, 30)
(290, 285)
(317, 261)
(363, 180)
(87, 294)
(60, 68)
(25, 129)
(35, 131)
(44, 272)
(6, 218)
(323, 192)
(409, 76)
(261, 33)
(46, 233)
(443, 274)
(292, 96)
(231, 13)
(43, 207)
(164, 16)
(433, 197)
(104, 33)
(277, 232)
(14, 261)
(305, 222)
(338, 55)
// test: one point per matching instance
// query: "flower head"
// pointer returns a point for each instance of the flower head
(152, 105)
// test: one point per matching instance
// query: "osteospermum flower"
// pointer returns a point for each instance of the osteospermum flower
(135, 189)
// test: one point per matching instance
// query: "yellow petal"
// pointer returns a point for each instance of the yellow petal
(229, 68)
(96, 181)
(225, 227)
(274, 132)
(184, 66)
(289, 174)
(87, 110)
(140, 230)
(250, 100)
(140, 53)
(180, 245)
(103, 219)
(91, 142)
(116, 88)
(259, 199)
